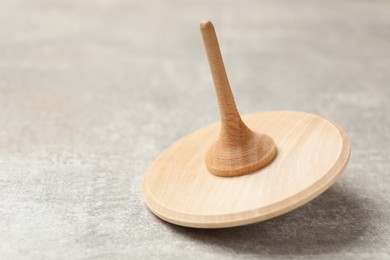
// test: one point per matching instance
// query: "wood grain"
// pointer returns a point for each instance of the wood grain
(312, 153)
(238, 149)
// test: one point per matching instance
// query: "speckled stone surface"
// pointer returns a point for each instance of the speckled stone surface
(92, 91)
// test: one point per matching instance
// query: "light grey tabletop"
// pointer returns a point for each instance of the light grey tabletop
(92, 91)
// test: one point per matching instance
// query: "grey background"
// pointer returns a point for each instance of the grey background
(92, 91)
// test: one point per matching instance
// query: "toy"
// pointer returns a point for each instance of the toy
(242, 171)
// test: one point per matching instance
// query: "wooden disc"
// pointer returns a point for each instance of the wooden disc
(312, 153)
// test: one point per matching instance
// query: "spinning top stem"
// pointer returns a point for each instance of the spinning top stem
(238, 150)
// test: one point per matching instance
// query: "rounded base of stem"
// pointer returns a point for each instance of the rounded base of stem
(255, 154)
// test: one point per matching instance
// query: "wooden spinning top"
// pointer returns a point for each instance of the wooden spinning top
(226, 174)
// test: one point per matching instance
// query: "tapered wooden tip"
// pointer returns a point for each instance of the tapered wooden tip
(205, 23)
(238, 150)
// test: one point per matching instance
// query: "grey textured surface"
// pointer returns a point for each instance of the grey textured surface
(92, 91)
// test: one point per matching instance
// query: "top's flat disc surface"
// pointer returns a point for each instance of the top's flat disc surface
(311, 153)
